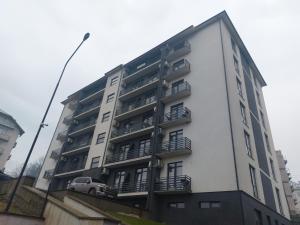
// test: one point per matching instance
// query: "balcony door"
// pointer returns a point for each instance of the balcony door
(124, 152)
(141, 179)
(175, 139)
(144, 147)
(174, 174)
(176, 111)
(121, 181)
(177, 86)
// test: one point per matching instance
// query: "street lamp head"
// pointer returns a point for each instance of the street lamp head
(86, 36)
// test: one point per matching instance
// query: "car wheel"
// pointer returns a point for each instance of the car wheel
(92, 191)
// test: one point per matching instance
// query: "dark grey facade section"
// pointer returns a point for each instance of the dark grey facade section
(268, 191)
(250, 95)
(259, 144)
(235, 208)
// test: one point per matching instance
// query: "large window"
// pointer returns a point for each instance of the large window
(119, 179)
(105, 117)
(95, 162)
(175, 139)
(110, 98)
(124, 152)
(243, 113)
(258, 217)
(248, 143)
(174, 171)
(272, 169)
(100, 138)
(141, 179)
(279, 200)
(253, 181)
(144, 147)
(176, 111)
(177, 86)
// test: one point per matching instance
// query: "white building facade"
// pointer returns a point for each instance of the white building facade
(182, 130)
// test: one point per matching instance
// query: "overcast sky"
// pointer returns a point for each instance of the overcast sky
(36, 38)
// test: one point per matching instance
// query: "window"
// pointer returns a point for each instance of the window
(175, 139)
(100, 138)
(178, 65)
(236, 65)
(279, 200)
(262, 119)
(105, 117)
(267, 143)
(177, 86)
(258, 98)
(272, 169)
(110, 98)
(178, 205)
(269, 220)
(243, 113)
(253, 181)
(207, 205)
(174, 171)
(233, 44)
(124, 150)
(248, 144)
(258, 217)
(176, 111)
(119, 179)
(144, 147)
(141, 179)
(239, 87)
(95, 162)
(113, 81)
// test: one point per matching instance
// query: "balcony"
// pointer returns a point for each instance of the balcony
(68, 119)
(181, 146)
(135, 109)
(132, 189)
(70, 165)
(129, 158)
(48, 174)
(134, 131)
(55, 154)
(175, 118)
(92, 96)
(179, 50)
(88, 109)
(139, 88)
(149, 66)
(82, 127)
(173, 185)
(62, 136)
(178, 92)
(4, 137)
(76, 147)
(178, 69)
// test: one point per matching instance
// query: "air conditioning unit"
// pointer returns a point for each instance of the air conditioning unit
(70, 140)
(116, 124)
(105, 171)
(165, 84)
(167, 65)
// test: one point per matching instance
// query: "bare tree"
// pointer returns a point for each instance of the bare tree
(32, 169)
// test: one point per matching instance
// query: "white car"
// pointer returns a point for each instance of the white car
(88, 185)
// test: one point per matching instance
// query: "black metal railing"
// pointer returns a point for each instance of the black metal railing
(181, 113)
(71, 164)
(174, 184)
(82, 125)
(185, 86)
(141, 186)
(147, 62)
(131, 154)
(138, 84)
(133, 106)
(132, 128)
(90, 92)
(76, 145)
(183, 143)
(87, 107)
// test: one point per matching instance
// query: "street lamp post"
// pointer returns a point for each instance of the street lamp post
(42, 124)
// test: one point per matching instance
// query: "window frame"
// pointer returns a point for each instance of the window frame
(248, 145)
(114, 81)
(95, 162)
(100, 139)
(105, 117)
(253, 181)
(243, 113)
(110, 97)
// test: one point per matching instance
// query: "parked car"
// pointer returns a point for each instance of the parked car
(89, 185)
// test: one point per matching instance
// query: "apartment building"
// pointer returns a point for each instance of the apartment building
(9, 132)
(181, 130)
(288, 186)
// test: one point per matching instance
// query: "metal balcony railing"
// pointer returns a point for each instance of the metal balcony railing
(141, 66)
(183, 87)
(135, 105)
(77, 145)
(131, 129)
(174, 184)
(90, 92)
(182, 113)
(141, 186)
(177, 145)
(131, 154)
(83, 125)
(87, 107)
(71, 165)
(138, 85)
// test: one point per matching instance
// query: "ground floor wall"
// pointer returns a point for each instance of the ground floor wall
(215, 208)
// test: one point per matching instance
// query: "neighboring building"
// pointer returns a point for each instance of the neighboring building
(181, 130)
(9, 132)
(286, 181)
(296, 196)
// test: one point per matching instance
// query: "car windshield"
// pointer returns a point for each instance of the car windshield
(81, 180)
(96, 180)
